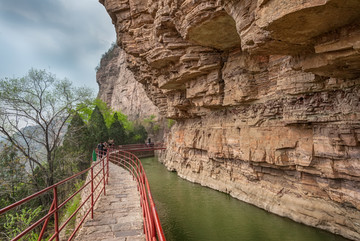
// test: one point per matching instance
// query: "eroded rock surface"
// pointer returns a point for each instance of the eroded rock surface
(265, 94)
(119, 89)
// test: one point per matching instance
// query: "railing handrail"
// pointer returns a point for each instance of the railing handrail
(56, 206)
(24, 200)
(129, 146)
(151, 218)
(141, 147)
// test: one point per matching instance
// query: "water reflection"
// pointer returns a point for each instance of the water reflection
(191, 212)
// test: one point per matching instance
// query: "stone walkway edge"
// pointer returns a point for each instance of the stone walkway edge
(118, 215)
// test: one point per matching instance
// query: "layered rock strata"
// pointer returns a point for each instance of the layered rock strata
(266, 95)
(119, 89)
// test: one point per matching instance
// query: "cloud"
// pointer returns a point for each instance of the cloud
(66, 37)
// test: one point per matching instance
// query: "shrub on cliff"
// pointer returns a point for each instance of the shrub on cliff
(137, 135)
(109, 54)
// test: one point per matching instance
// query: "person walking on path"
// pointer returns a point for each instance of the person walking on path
(100, 148)
(94, 156)
(105, 148)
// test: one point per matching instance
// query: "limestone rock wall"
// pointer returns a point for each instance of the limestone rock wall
(266, 94)
(119, 89)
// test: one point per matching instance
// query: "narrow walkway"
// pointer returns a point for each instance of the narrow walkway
(117, 215)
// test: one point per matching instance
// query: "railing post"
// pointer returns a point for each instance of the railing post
(56, 215)
(92, 192)
(107, 164)
(103, 167)
(46, 222)
(132, 164)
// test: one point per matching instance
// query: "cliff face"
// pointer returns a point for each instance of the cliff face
(265, 94)
(119, 89)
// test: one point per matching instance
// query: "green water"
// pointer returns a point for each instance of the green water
(189, 211)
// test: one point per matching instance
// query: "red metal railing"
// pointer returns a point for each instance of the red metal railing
(117, 155)
(55, 206)
(129, 161)
(142, 147)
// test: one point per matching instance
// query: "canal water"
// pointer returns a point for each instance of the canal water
(188, 211)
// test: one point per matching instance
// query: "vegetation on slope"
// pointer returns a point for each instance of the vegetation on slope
(50, 129)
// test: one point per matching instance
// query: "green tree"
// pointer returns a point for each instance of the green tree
(128, 125)
(152, 125)
(77, 146)
(34, 111)
(117, 131)
(108, 114)
(87, 110)
(97, 127)
(77, 136)
(105, 111)
(138, 135)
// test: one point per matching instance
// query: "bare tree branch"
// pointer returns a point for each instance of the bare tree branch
(34, 111)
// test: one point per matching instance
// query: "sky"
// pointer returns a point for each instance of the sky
(64, 37)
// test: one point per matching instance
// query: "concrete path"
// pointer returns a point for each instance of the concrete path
(118, 215)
